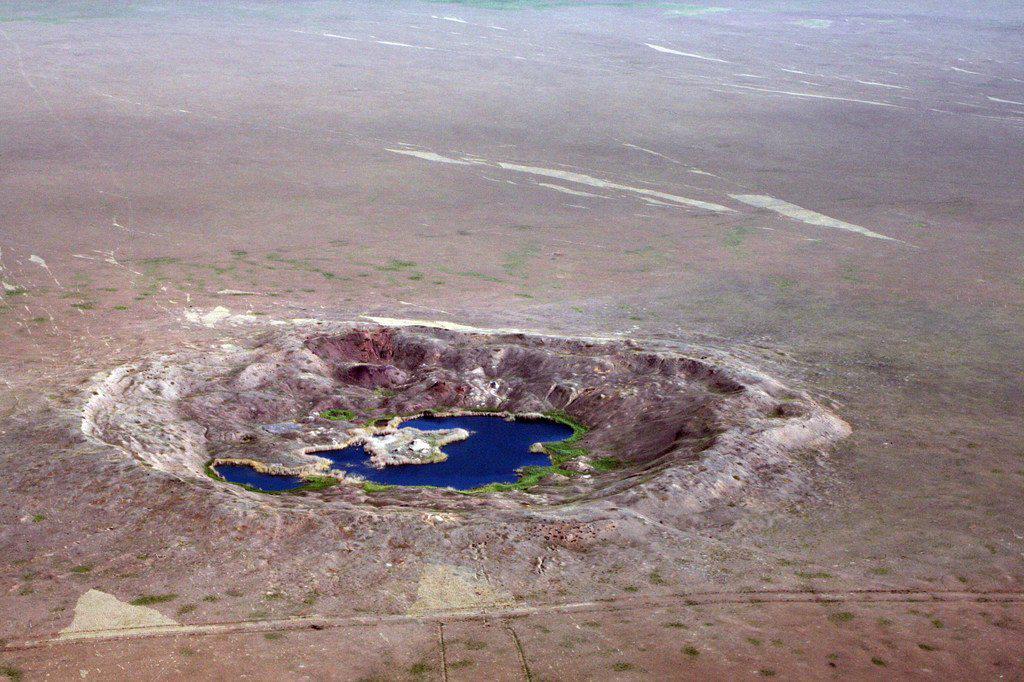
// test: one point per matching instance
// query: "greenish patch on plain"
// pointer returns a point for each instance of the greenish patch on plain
(148, 599)
(782, 283)
(371, 487)
(473, 274)
(515, 262)
(604, 464)
(851, 274)
(396, 265)
(11, 673)
(16, 291)
(736, 236)
(338, 415)
(301, 264)
(819, 575)
(159, 261)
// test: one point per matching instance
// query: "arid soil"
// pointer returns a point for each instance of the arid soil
(752, 217)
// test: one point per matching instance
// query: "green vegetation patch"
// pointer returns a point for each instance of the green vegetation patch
(338, 415)
(148, 599)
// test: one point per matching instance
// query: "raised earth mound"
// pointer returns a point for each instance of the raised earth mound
(682, 437)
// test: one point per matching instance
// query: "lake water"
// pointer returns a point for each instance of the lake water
(240, 473)
(492, 453)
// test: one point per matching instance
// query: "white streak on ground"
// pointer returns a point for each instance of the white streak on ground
(41, 263)
(651, 152)
(430, 156)
(691, 55)
(566, 190)
(583, 179)
(456, 20)
(1005, 101)
(804, 215)
(811, 95)
(340, 37)
(883, 85)
(394, 44)
(568, 176)
(959, 70)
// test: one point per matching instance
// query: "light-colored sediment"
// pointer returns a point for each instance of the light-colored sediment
(444, 587)
(98, 613)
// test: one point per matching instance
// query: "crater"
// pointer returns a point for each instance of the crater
(666, 429)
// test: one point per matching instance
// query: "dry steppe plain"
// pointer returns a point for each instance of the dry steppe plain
(827, 194)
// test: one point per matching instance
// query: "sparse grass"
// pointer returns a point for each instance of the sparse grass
(925, 647)
(38, 518)
(461, 664)
(878, 661)
(515, 262)
(782, 283)
(148, 599)
(621, 666)
(371, 487)
(315, 483)
(676, 624)
(604, 464)
(273, 636)
(766, 672)
(840, 617)
(211, 598)
(81, 570)
(564, 450)
(816, 575)
(186, 608)
(735, 237)
(475, 644)
(338, 415)
(420, 669)
(11, 673)
(938, 623)
(396, 265)
(754, 641)
(691, 651)
(656, 578)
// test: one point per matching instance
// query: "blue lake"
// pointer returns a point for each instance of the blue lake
(492, 453)
(240, 473)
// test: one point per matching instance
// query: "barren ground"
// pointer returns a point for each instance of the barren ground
(829, 192)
